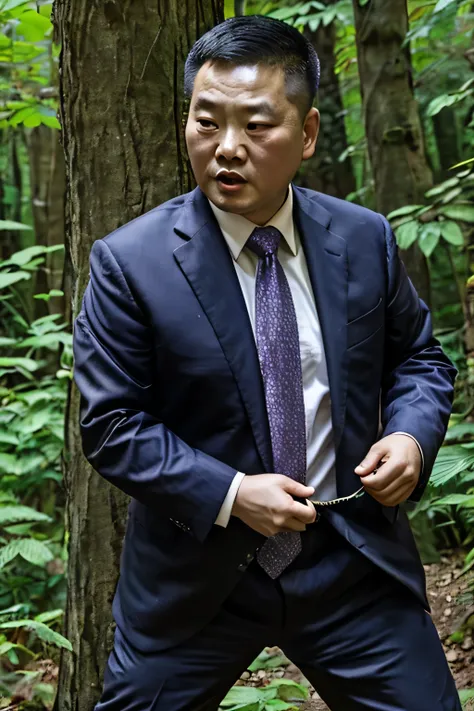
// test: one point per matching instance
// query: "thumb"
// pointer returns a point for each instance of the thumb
(297, 489)
(370, 461)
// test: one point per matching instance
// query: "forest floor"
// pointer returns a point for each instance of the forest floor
(453, 613)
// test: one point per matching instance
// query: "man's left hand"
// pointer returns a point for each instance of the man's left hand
(398, 463)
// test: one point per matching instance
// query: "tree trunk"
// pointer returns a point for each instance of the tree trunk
(47, 180)
(392, 123)
(324, 172)
(121, 109)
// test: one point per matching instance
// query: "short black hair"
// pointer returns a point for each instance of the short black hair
(256, 39)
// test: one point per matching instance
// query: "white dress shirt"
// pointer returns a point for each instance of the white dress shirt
(320, 458)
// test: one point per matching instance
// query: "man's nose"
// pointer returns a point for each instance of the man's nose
(231, 146)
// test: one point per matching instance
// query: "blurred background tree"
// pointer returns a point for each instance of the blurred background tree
(88, 143)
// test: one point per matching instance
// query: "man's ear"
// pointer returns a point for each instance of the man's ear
(310, 133)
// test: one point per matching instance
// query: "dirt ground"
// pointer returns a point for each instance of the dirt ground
(452, 610)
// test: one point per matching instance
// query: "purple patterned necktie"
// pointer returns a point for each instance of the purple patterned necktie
(280, 364)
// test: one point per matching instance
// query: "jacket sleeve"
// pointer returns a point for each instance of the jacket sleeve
(417, 391)
(121, 438)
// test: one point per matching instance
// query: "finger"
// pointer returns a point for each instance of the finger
(390, 472)
(371, 460)
(400, 494)
(303, 512)
(293, 525)
(295, 488)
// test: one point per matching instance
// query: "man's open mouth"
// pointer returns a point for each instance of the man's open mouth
(230, 179)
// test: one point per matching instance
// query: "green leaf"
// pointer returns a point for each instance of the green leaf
(12, 514)
(438, 189)
(241, 695)
(463, 162)
(452, 233)
(429, 237)
(288, 689)
(439, 103)
(442, 4)
(405, 210)
(407, 234)
(460, 211)
(450, 462)
(279, 705)
(49, 616)
(51, 121)
(27, 363)
(41, 630)
(457, 500)
(8, 463)
(30, 549)
(9, 278)
(362, 3)
(466, 695)
(12, 225)
(33, 26)
(26, 255)
(8, 438)
(5, 342)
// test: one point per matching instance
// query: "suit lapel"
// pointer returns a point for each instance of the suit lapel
(208, 266)
(326, 257)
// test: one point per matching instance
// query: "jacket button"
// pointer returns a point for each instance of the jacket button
(249, 557)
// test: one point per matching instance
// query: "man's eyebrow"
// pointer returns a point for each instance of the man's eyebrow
(252, 107)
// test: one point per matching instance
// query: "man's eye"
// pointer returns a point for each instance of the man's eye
(256, 126)
(205, 123)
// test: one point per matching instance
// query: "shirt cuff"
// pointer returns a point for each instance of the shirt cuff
(226, 508)
(419, 447)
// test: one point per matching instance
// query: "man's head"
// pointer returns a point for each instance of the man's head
(252, 81)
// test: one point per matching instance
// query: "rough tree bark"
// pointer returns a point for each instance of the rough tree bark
(121, 110)
(392, 123)
(324, 172)
(47, 181)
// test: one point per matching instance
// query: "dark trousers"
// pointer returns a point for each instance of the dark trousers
(360, 637)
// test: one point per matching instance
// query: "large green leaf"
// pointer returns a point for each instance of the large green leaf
(9, 278)
(33, 551)
(24, 256)
(442, 4)
(429, 236)
(405, 210)
(450, 462)
(288, 689)
(33, 26)
(12, 225)
(8, 463)
(239, 695)
(459, 211)
(41, 630)
(452, 233)
(407, 234)
(464, 500)
(12, 514)
(442, 187)
(26, 363)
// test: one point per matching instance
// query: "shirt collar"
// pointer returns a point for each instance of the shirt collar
(237, 229)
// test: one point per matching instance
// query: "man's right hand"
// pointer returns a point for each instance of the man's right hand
(265, 503)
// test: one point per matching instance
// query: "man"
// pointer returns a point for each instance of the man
(234, 351)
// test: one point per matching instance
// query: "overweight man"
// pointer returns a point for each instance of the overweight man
(259, 375)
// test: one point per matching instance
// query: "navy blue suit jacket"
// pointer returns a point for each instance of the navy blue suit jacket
(173, 404)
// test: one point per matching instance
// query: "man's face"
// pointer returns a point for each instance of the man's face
(245, 139)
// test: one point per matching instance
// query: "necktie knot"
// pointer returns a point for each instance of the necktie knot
(264, 241)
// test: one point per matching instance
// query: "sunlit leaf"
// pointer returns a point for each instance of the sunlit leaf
(429, 236)
(438, 189)
(463, 212)
(12, 514)
(27, 363)
(452, 233)
(12, 225)
(405, 210)
(41, 630)
(442, 4)
(407, 234)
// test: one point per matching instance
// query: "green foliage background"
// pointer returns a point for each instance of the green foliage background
(35, 346)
